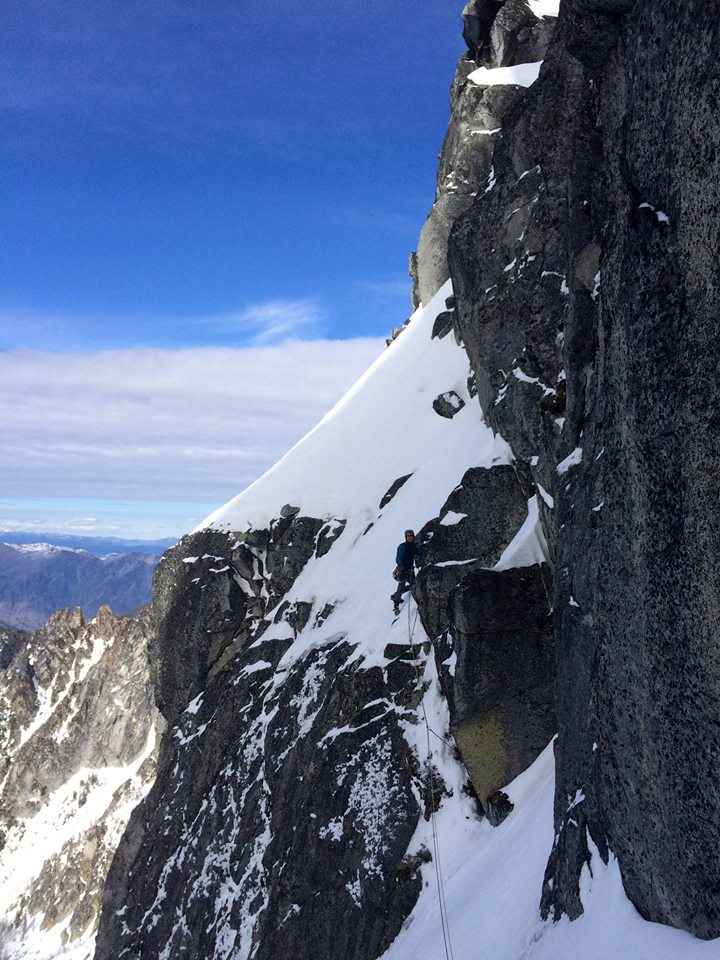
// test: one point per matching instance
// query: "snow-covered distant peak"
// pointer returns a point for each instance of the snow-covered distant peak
(521, 75)
(44, 549)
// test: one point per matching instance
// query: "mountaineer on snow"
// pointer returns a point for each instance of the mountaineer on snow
(407, 554)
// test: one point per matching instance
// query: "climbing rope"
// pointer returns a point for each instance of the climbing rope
(444, 919)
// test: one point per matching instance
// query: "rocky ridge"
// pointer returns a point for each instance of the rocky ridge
(294, 786)
(77, 733)
(305, 769)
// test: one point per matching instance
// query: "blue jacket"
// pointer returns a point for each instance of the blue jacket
(407, 553)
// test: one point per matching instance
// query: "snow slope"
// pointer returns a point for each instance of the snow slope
(492, 879)
(383, 429)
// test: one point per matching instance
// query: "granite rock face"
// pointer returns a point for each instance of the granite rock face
(503, 33)
(77, 733)
(641, 559)
(310, 801)
(586, 284)
(500, 681)
(492, 630)
(497, 34)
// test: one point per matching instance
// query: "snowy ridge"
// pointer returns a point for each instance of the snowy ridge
(44, 549)
(381, 412)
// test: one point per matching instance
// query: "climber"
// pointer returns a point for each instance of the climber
(408, 553)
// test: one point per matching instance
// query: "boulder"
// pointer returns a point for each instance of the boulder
(448, 404)
(443, 324)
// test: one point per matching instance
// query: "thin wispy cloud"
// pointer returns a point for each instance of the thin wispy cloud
(271, 322)
(194, 75)
(258, 324)
(148, 424)
(391, 289)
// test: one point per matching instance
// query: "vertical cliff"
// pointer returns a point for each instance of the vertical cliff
(586, 283)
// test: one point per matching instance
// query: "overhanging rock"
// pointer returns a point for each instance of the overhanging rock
(500, 681)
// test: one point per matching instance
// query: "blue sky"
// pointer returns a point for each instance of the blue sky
(184, 176)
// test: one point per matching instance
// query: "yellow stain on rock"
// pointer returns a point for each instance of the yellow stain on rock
(483, 745)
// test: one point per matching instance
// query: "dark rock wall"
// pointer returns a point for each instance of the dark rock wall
(486, 508)
(586, 286)
(498, 33)
(644, 567)
(287, 795)
(196, 598)
(492, 630)
(500, 686)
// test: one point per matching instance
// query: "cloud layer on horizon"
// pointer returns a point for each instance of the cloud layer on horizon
(155, 424)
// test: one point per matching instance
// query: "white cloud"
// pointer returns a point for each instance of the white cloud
(152, 424)
(270, 322)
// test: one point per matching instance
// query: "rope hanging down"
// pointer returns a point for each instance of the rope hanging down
(444, 919)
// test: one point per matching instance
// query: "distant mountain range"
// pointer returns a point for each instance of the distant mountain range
(100, 546)
(36, 579)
